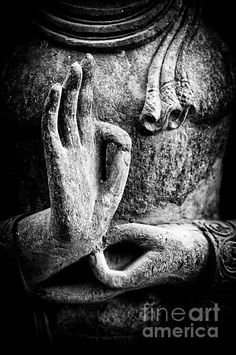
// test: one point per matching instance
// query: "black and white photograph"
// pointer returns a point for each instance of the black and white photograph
(117, 183)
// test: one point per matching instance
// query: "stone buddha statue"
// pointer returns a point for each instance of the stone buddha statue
(129, 106)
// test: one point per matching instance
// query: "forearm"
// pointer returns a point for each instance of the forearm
(172, 253)
(28, 239)
(40, 254)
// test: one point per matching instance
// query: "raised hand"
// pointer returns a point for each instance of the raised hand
(83, 202)
(83, 196)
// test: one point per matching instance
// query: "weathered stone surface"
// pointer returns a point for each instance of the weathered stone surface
(175, 254)
(173, 98)
(121, 80)
(86, 24)
(83, 200)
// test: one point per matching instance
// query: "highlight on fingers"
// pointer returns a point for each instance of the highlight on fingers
(68, 109)
(85, 117)
(51, 109)
(53, 99)
(88, 65)
(74, 77)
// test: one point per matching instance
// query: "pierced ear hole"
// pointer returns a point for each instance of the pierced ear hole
(150, 123)
(175, 118)
(175, 115)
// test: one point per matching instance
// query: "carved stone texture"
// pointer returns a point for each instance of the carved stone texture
(83, 197)
(171, 254)
(174, 175)
(132, 256)
(223, 238)
(173, 97)
(104, 26)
